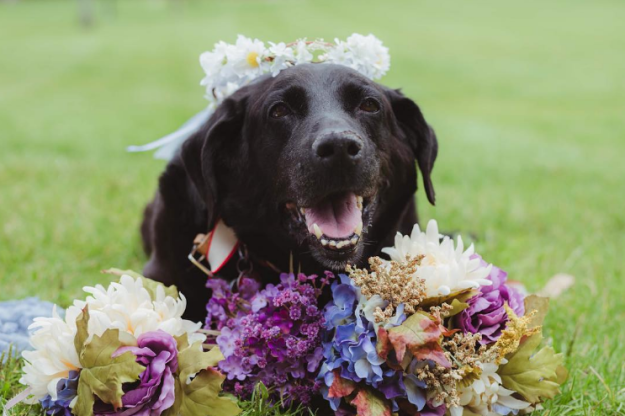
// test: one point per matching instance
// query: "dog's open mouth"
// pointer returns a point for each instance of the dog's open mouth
(335, 222)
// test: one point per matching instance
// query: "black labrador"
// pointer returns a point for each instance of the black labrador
(316, 164)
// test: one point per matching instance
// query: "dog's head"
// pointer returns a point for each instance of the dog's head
(311, 159)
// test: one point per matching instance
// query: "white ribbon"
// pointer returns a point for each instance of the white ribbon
(222, 244)
(16, 400)
(168, 145)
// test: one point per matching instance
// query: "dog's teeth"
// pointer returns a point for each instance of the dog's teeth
(359, 202)
(303, 211)
(341, 244)
(358, 230)
(332, 243)
(324, 242)
(318, 231)
(354, 240)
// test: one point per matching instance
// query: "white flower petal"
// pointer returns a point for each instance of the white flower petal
(445, 267)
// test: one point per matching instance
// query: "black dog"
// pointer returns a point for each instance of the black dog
(317, 163)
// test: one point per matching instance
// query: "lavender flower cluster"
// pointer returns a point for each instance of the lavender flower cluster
(271, 336)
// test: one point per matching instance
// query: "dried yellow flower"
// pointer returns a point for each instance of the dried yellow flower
(394, 282)
(516, 329)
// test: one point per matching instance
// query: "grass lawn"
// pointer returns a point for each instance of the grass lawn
(528, 101)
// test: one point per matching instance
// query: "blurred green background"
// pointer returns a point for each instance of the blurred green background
(527, 99)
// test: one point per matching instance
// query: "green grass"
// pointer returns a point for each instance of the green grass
(528, 101)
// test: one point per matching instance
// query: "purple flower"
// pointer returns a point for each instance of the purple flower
(66, 392)
(154, 392)
(486, 314)
(273, 336)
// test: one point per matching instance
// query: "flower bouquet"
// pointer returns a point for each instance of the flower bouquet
(433, 330)
(125, 350)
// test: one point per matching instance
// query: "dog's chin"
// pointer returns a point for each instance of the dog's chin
(337, 261)
(333, 227)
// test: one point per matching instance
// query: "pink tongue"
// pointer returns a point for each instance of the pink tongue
(337, 217)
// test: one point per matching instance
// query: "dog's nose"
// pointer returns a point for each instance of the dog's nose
(336, 147)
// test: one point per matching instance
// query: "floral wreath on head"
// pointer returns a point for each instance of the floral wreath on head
(229, 67)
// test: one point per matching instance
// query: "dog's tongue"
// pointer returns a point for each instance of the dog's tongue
(337, 216)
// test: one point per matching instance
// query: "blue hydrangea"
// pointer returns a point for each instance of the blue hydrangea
(349, 342)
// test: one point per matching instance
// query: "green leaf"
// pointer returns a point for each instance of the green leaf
(370, 403)
(148, 284)
(201, 397)
(420, 334)
(82, 333)
(459, 303)
(436, 301)
(262, 390)
(151, 286)
(533, 375)
(84, 401)
(182, 342)
(193, 359)
(102, 374)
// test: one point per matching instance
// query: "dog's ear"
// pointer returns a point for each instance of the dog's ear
(205, 155)
(419, 135)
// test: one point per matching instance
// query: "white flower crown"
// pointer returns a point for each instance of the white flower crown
(229, 67)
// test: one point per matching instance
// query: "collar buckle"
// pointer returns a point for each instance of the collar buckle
(197, 256)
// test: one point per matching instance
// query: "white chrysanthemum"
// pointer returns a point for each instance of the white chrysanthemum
(53, 355)
(486, 396)
(126, 306)
(444, 268)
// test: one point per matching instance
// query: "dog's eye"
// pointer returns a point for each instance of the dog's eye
(370, 105)
(279, 110)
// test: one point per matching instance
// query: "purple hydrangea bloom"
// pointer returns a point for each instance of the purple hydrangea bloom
(272, 336)
(486, 314)
(66, 392)
(154, 392)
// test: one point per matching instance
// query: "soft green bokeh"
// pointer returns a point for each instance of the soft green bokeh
(527, 98)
